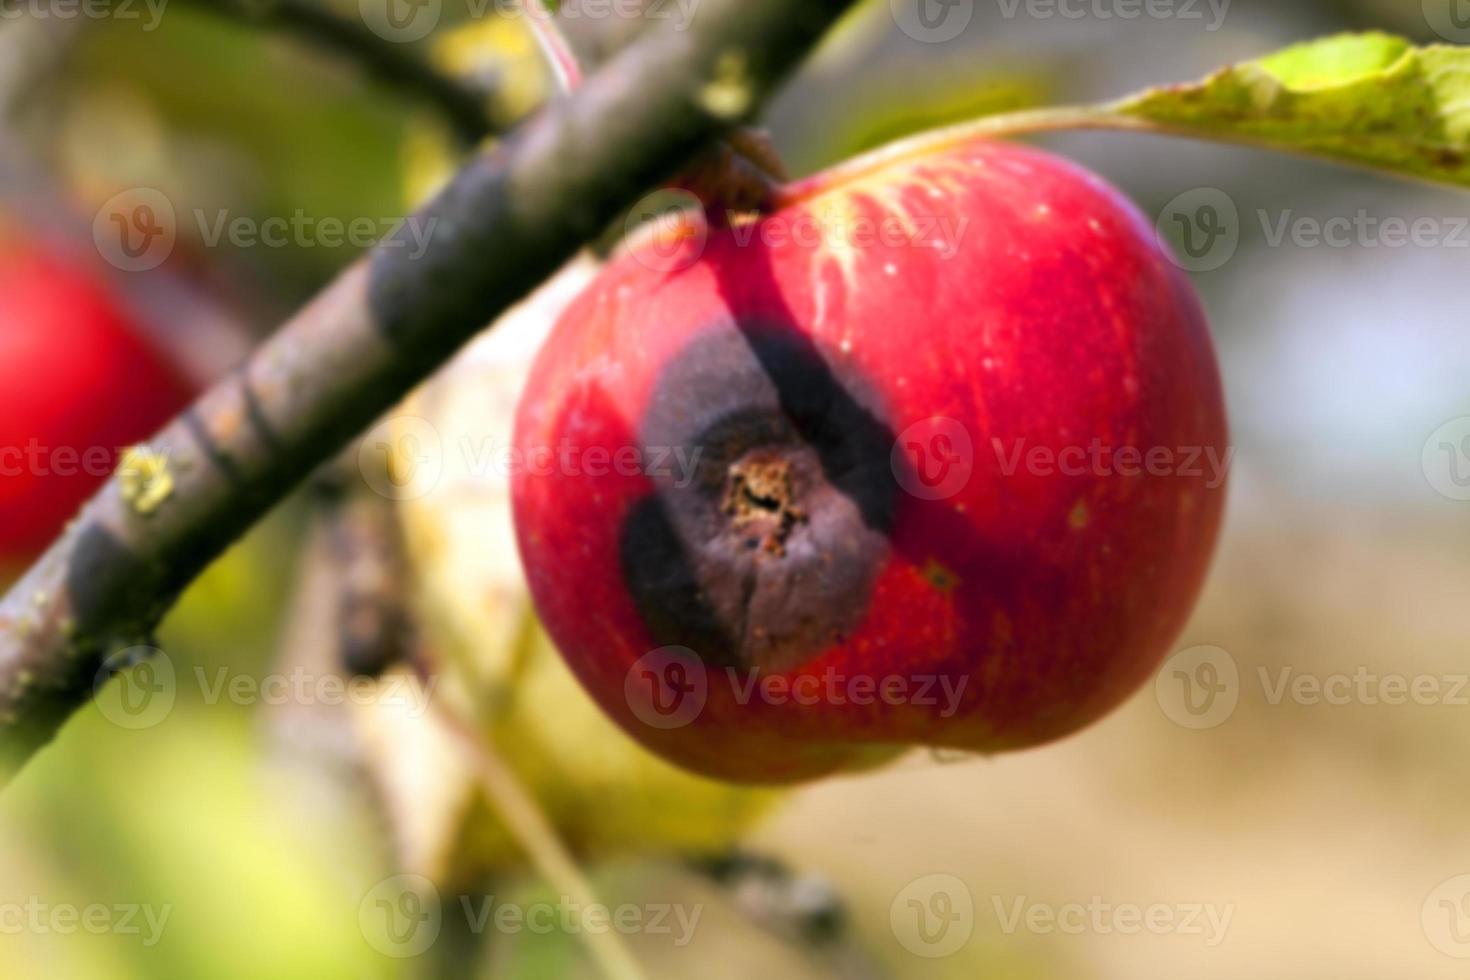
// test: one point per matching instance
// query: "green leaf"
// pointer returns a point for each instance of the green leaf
(1369, 99)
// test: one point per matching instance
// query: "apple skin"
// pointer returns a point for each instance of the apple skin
(77, 376)
(1015, 605)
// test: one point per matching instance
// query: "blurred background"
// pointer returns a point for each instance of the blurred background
(1280, 833)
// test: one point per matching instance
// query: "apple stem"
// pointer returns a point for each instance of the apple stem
(921, 144)
(741, 174)
(1104, 116)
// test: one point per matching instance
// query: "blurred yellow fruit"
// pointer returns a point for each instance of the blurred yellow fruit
(603, 793)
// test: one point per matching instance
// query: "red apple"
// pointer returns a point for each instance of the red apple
(932, 455)
(79, 383)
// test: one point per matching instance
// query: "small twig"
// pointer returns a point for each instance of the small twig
(505, 223)
(30, 50)
(374, 626)
(523, 817)
(800, 909)
(566, 70)
(396, 66)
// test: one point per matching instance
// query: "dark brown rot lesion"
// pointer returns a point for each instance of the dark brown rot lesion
(761, 501)
(765, 554)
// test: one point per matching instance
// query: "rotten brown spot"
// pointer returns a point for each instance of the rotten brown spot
(767, 553)
(760, 501)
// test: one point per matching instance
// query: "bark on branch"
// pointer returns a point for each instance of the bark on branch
(508, 220)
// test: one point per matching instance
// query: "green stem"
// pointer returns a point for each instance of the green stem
(936, 140)
(1115, 116)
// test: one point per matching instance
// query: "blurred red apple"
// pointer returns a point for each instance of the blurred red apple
(935, 454)
(79, 382)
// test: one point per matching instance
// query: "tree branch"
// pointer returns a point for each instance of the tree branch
(506, 222)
